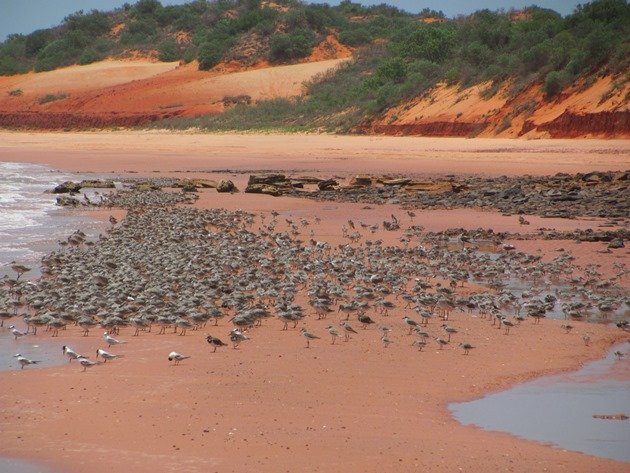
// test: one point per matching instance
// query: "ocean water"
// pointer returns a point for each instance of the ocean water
(559, 409)
(31, 223)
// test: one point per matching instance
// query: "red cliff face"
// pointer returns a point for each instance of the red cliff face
(62, 120)
(571, 125)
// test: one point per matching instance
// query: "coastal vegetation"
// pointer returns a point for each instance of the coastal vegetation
(397, 55)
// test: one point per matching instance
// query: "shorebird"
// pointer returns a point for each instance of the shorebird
(566, 327)
(619, 355)
(587, 339)
(111, 340)
(309, 336)
(16, 333)
(106, 355)
(334, 333)
(508, 324)
(236, 337)
(449, 331)
(365, 320)
(176, 357)
(347, 328)
(87, 363)
(70, 353)
(420, 344)
(467, 347)
(24, 361)
(411, 323)
(441, 342)
(386, 341)
(215, 342)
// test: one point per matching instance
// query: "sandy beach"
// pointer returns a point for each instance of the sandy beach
(272, 405)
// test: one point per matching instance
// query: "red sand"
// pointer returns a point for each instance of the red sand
(273, 405)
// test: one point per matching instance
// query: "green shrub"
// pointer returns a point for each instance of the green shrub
(286, 47)
(392, 70)
(210, 54)
(51, 97)
(36, 41)
(168, 50)
(139, 32)
(555, 82)
(56, 54)
(89, 56)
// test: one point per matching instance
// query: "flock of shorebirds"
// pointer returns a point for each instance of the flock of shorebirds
(179, 268)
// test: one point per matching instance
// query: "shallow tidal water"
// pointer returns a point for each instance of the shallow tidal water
(559, 409)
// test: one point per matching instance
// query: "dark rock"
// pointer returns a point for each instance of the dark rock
(616, 243)
(266, 179)
(189, 187)
(263, 189)
(328, 184)
(67, 187)
(96, 184)
(66, 201)
(226, 186)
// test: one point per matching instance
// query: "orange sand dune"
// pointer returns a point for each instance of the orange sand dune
(117, 90)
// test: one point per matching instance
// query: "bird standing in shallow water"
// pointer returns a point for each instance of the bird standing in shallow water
(24, 361)
(70, 353)
(16, 333)
(309, 336)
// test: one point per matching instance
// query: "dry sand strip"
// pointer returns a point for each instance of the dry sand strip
(147, 151)
(273, 405)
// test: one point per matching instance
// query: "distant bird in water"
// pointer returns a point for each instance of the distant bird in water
(24, 361)
(16, 333)
(309, 336)
(467, 347)
(111, 340)
(215, 342)
(177, 357)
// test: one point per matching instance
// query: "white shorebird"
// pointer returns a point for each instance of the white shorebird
(176, 357)
(24, 361)
(111, 340)
(236, 337)
(87, 363)
(70, 353)
(106, 355)
(16, 333)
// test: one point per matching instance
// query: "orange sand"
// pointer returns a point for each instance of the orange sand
(273, 405)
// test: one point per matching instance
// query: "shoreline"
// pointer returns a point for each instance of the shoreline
(273, 405)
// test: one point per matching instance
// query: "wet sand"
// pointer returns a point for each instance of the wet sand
(273, 405)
